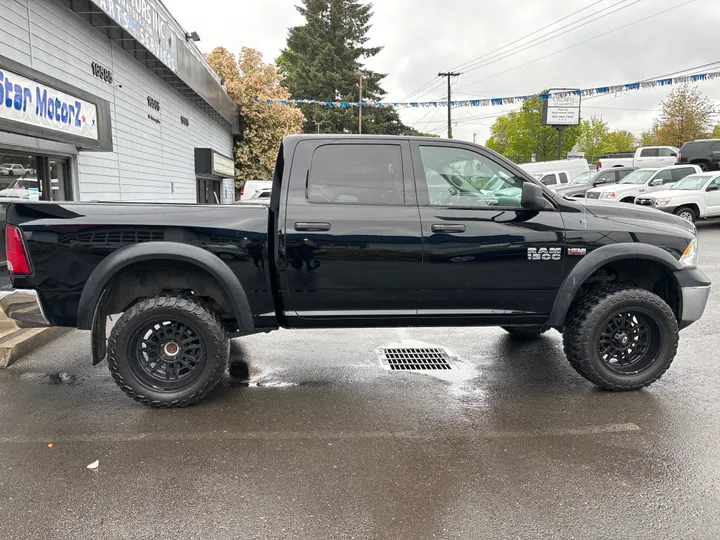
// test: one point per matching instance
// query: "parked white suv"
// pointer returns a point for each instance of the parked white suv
(642, 181)
(695, 196)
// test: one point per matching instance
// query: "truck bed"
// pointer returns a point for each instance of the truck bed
(67, 241)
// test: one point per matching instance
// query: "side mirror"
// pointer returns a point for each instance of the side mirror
(657, 182)
(713, 187)
(532, 197)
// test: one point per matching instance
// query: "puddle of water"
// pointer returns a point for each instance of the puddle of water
(52, 378)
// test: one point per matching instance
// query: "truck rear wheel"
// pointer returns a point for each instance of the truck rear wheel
(621, 338)
(525, 332)
(168, 351)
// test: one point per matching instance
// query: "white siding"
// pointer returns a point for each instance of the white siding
(15, 35)
(150, 161)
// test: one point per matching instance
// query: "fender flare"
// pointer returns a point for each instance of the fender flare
(600, 257)
(149, 251)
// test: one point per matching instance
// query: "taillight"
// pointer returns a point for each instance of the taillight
(18, 262)
(599, 165)
(242, 191)
(679, 159)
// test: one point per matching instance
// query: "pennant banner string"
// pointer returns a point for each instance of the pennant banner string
(488, 102)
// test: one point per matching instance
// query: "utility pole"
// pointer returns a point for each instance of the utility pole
(360, 106)
(449, 75)
(474, 138)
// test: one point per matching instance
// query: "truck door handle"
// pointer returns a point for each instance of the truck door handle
(312, 227)
(448, 228)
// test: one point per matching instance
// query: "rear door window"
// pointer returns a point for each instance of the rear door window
(563, 178)
(549, 179)
(649, 152)
(370, 174)
(682, 172)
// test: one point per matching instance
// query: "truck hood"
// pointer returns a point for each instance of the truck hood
(670, 193)
(637, 215)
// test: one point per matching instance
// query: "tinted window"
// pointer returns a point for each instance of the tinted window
(623, 174)
(682, 172)
(666, 152)
(460, 177)
(715, 147)
(357, 174)
(549, 179)
(666, 176)
(696, 148)
(563, 178)
(649, 152)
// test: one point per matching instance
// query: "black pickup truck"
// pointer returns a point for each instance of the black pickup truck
(360, 232)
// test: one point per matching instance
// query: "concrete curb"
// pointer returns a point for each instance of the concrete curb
(23, 341)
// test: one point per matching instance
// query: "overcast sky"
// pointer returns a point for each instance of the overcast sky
(424, 37)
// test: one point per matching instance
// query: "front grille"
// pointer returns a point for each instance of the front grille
(416, 359)
(645, 202)
(591, 195)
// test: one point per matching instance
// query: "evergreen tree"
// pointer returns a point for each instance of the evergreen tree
(324, 59)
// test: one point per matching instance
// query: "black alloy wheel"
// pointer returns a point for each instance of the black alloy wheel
(168, 351)
(620, 337)
(170, 354)
(629, 342)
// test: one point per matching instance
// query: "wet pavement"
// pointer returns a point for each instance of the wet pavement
(323, 442)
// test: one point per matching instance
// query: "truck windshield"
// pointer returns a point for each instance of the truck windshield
(638, 177)
(694, 181)
(584, 178)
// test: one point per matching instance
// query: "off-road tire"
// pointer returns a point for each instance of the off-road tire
(525, 333)
(183, 308)
(588, 315)
(688, 211)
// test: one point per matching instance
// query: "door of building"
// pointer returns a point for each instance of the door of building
(209, 191)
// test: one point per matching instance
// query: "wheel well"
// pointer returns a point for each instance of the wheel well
(692, 206)
(640, 273)
(151, 278)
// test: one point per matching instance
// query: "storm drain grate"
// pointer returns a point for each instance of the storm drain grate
(416, 359)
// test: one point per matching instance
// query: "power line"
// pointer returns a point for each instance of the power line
(533, 43)
(434, 82)
(578, 44)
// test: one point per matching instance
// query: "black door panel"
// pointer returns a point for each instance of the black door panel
(341, 258)
(492, 259)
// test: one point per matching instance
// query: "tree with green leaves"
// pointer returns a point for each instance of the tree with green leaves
(519, 135)
(686, 115)
(619, 140)
(591, 137)
(324, 60)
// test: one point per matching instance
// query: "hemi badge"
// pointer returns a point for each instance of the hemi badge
(578, 252)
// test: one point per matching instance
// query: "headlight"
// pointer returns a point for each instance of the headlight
(663, 202)
(691, 255)
(607, 195)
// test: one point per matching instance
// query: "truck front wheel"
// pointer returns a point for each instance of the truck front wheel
(168, 351)
(621, 338)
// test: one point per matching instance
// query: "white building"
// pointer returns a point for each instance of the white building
(110, 100)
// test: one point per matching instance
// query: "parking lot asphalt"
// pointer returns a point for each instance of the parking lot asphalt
(323, 442)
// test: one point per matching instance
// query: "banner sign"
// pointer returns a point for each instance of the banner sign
(588, 92)
(562, 108)
(29, 102)
(144, 21)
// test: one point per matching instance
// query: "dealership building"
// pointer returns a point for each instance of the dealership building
(110, 100)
